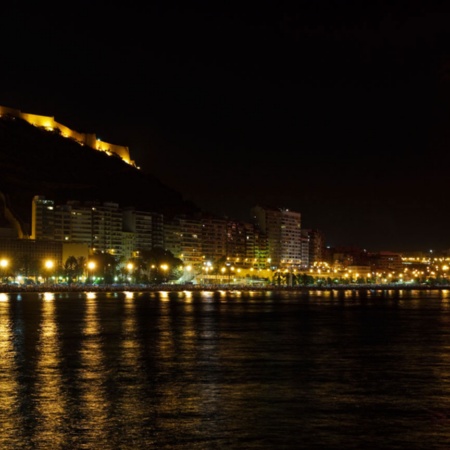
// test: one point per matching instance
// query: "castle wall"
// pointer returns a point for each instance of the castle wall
(112, 148)
(46, 122)
(89, 139)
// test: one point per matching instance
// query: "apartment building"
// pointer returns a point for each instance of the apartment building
(316, 246)
(274, 240)
(147, 227)
(99, 225)
(213, 238)
(43, 218)
(182, 237)
(283, 230)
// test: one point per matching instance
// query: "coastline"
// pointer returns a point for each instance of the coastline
(7, 288)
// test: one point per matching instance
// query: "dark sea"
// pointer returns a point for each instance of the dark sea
(225, 370)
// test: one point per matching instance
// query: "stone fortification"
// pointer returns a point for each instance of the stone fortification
(89, 139)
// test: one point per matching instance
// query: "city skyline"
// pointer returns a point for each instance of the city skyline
(339, 113)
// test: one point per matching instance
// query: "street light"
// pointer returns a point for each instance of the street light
(49, 264)
(91, 267)
(130, 268)
(164, 268)
(207, 267)
(4, 263)
(226, 271)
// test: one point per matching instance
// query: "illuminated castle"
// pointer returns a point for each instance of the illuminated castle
(89, 139)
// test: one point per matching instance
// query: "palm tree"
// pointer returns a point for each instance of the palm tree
(28, 266)
(106, 266)
(163, 265)
(71, 268)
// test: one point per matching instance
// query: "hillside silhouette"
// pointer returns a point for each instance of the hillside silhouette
(34, 161)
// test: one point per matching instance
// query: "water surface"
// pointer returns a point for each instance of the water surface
(225, 370)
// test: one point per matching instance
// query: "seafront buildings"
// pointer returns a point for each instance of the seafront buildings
(273, 241)
(272, 245)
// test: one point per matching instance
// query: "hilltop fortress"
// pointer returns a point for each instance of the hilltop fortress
(90, 139)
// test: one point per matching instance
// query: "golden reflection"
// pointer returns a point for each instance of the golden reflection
(164, 296)
(8, 375)
(348, 293)
(49, 397)
(129, 295)
(49, 296)
(132, 400)
(4, 297)
(93, 374)
(195, 338)
(165, 343)
(188, 296)
(91, 295)
(445, 298)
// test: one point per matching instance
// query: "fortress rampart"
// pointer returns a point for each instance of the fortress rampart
(89, 139)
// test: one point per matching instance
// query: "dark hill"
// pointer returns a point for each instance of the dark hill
(34, 161)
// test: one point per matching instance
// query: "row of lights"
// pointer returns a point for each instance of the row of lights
(49, 265)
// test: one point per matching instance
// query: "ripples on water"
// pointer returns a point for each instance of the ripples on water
(216, 370)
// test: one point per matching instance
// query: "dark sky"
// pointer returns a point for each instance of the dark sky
(337, 109)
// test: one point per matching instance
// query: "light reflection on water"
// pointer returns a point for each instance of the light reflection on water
(9, 388)
(48, 396)
(91, 380)
(228, 370)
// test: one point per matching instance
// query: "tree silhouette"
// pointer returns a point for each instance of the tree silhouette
(72, 268)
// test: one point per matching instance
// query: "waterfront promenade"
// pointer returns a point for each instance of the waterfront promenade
(216, 287)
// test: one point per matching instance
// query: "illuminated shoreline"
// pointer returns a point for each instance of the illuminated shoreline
(224, 287)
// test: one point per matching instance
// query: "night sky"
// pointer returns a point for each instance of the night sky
(337, 109)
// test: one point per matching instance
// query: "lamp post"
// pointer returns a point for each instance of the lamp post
(4, 263)
(228, 265)
(91, 267)
(164, 268)
(130, 268)
(444, 271)
(49, 264)
(207, 267)
(226, 271)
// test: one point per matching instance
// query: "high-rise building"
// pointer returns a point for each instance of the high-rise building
(182, 237)
(213, 238)
(306, 240)
(283, 230)
(244, 247)
(139, 223)
(316, 245)
(236, 241)
(42, 218)
(95, 224)
(261, 250)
